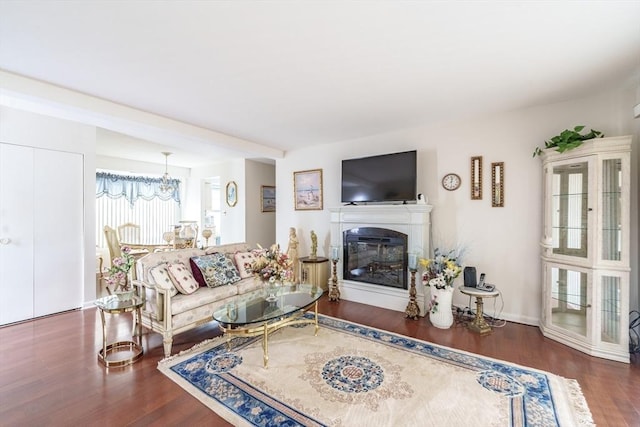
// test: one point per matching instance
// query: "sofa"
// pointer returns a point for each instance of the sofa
(173, 303)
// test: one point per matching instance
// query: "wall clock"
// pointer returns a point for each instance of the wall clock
(451, 181)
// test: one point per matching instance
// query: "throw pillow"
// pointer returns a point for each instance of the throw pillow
(197, 274)
(244, 261)
(162, 278)
(217, 269)
(183, 279)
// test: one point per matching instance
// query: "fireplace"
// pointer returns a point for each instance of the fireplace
(375, 255)
(375, 240)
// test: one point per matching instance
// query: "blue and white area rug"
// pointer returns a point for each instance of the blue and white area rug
(353, 375)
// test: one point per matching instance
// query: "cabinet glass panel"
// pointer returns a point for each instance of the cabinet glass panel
(569, 206)
(611, 310)
(611, 209)
(569, 300)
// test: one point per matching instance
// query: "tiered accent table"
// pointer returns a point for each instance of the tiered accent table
(112, 305)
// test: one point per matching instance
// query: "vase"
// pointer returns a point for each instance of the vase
(440, 315)
(271, 289)
(125, 295)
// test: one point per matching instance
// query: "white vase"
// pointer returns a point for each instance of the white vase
(441, 315)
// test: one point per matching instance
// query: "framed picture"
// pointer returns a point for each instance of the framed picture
(307, 190)
(232, 193)
(268, 198)
(476, 178)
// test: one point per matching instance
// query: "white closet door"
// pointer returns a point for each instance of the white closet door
(16, 233)
(58, 251)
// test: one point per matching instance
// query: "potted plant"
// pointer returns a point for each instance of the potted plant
(568, 139)
(118, 275)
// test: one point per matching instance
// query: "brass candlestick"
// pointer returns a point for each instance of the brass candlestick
(412, 311)
(334, 292)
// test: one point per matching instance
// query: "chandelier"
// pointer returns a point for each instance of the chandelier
(165, 184)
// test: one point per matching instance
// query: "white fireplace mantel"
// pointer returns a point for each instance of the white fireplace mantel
(413, 220)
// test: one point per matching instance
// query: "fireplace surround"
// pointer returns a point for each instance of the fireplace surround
(412, 221)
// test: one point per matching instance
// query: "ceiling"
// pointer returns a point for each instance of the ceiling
(287, 74)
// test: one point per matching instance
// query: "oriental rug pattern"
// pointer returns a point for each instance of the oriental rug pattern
(353, 375)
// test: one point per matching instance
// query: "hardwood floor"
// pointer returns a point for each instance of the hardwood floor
(49, 373)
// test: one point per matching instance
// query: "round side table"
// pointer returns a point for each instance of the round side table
(314, 271)
(478, 324)
(112, 305)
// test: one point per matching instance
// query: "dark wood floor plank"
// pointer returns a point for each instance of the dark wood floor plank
(50, 375)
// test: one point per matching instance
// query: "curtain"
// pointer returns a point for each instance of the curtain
(133, 188)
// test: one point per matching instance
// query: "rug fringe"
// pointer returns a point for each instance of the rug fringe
(580, 406)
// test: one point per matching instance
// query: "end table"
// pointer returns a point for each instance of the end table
(315, 271)
(478, 324)
(112, 305)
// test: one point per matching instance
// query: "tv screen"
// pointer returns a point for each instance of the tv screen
(385, 178)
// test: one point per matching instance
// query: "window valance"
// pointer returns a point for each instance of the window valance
(134, 187)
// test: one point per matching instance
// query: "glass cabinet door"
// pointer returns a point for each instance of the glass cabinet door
(610, 309)
(569, 209)
(569, 299)
(612, 210)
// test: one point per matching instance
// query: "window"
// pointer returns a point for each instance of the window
(136, 199)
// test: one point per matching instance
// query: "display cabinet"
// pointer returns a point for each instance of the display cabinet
(585, 247)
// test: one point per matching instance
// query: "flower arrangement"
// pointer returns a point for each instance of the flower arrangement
(118, 276)
(272, 265)
(440, 270)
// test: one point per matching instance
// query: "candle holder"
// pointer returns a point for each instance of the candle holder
(207, 233)
(412, 311)
(334, 292)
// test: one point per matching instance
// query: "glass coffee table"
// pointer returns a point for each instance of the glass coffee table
(251, 315)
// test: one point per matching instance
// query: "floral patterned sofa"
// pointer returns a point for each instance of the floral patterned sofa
(183, 287)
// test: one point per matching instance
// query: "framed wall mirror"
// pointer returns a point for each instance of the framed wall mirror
(232, 193)
(497, 184)
(476, 178)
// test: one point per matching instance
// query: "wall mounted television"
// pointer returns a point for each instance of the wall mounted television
(383, 178)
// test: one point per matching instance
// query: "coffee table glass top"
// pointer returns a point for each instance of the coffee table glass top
(254, 308)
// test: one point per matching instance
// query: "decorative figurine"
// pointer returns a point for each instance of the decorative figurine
(292, 253)
(314, 245)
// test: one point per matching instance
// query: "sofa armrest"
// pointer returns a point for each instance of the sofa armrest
(159, 298)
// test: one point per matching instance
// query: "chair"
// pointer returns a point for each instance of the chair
(129, 233)
(113, 243)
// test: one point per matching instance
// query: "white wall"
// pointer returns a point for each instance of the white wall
(261, 226)
(244, 222)
(233, 220)
(502, 242)
(34, 130)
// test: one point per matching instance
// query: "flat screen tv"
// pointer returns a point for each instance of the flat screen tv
(384, 178)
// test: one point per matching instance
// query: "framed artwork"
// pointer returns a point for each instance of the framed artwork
(476, 178)
(307, 190)
(268, 198)
(232, 193)
(497, 185)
